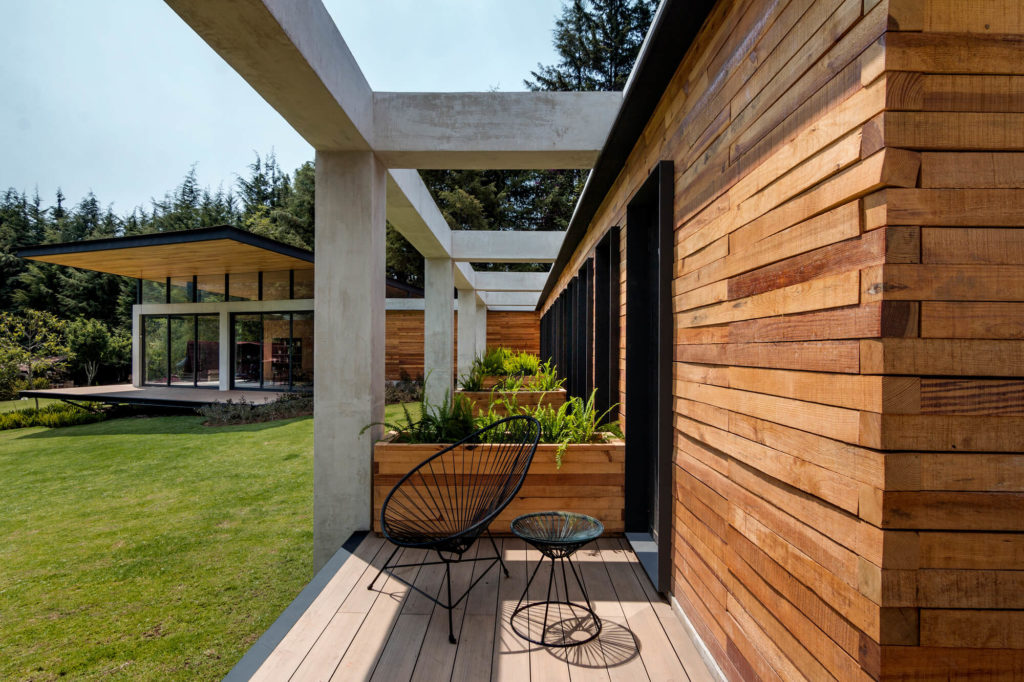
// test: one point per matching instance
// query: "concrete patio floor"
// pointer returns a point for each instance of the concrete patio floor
(348, 632)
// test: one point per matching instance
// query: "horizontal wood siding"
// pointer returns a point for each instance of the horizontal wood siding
(403, 340)
(848, 303)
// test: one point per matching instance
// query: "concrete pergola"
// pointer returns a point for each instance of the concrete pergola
(368, 145)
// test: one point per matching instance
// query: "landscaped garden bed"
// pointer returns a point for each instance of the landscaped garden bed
(501, 376)
(579, 465)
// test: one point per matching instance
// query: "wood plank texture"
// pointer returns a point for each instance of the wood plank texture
(848, 299)
(351, 633)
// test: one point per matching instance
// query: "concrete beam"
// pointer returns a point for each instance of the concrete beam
(293, 55)
(349, 344)
(412, 211)
(510, 281)
(492, 129)
(480, 246)
(465, 276)
(513, 308)
(438, 328)
(507, 298)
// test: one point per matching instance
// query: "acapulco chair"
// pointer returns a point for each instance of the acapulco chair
(449, 500)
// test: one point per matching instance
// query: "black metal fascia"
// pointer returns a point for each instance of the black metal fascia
(672, 32)
(165, 238)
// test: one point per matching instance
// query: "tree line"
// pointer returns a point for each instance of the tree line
(597, 42)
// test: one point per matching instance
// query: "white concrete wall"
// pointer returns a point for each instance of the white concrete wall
(349, 343)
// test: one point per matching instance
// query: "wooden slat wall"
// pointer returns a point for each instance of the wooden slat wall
(848, 376)
(955, 498)
(403, 340)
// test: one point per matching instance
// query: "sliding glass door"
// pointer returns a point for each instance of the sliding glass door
(273, 351)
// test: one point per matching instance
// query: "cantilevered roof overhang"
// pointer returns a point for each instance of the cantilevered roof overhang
(205, 251)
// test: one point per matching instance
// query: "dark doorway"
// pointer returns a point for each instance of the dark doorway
(606, 323)
(649, 251)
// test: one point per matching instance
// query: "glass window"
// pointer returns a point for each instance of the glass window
(303, 284)
(302, 350)
(244, 286)
(183, 349)
(182, 290)
(276, 350)
(154, 292)
(277, 285)
(248, 350)
(211, 288)
(208, 353)
(154, 329)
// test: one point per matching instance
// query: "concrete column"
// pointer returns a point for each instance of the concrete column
(137, 368)
(467, 330)
(348, 343)
(224, 352)
(481, 325)
(438, 327)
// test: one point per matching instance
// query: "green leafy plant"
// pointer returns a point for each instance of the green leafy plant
(473, 380)
(53, 416)
(287, 406)
(575, 421)
(494, 361)
(522, 364)
(448, 422)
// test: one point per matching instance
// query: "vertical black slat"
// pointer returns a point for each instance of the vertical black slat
(666, 330)
(259, 296)
(138, 291)
(649, 336)
(194, 298)
(606, 322)
(231, 349)
(291, 284)
(167, 290)
(168, 338)
(195, 344)
(291, 348)
(588, 329)
(227, 287)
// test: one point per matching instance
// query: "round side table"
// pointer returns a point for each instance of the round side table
(558, 535)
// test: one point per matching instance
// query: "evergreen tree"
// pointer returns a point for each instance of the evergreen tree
(597, 42)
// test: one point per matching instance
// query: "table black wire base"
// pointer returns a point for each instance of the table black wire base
(557, 535)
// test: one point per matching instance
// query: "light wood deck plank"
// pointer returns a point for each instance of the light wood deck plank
(511, 661)
(297, 643)
(352, 633)
(476, 643)
(658, 655)
(375, 631)
(437, 655)
(686, 650)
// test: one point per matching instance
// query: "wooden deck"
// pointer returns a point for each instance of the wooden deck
(172, 396)
(351, 633)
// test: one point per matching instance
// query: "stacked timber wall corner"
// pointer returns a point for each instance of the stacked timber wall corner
(403, 338)
(849, 336)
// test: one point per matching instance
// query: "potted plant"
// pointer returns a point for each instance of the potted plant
(579, 464)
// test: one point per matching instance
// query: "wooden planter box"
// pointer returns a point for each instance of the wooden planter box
(491, 380)
(591, 481)
(481, 399)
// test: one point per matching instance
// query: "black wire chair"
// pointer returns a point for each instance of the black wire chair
(448, 501)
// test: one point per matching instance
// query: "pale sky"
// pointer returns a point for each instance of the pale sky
(121, 97)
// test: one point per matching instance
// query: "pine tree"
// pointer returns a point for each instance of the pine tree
(597, 42)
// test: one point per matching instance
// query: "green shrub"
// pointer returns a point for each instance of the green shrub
(287, 406)
(40, 382)
(575, 421)
(404, 390)
(52, 416)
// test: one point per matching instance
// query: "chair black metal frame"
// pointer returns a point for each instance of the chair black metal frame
(446, 511)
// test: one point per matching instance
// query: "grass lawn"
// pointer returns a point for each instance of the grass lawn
(149, 548)
(11, 405)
